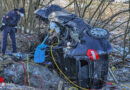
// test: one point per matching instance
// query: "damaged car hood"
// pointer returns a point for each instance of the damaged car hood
(60, 15)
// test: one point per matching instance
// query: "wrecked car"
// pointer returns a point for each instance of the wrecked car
(82, 52)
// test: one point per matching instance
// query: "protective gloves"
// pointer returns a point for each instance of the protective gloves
(16, 27)
(2, 27)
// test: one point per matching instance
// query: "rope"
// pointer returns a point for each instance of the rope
(28, 69)
(125, 85)
(25, 80)
(73, 88)
(37, 76)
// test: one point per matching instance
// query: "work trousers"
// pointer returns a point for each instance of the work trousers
(11, 31)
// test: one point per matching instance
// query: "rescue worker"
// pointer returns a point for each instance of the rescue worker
(9, 26)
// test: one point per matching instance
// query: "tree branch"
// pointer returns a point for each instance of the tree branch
(110, 18)
(118, 26)
(96, 11)
(86, 8)
(100, 14)
(69, 4)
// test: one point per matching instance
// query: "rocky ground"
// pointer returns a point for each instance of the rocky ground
(14, 69)
(11, 86)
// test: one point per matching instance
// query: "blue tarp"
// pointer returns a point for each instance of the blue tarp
(39, 55)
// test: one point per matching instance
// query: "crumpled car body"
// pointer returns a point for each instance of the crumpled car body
(76, 38)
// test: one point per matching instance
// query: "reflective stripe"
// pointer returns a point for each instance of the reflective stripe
(3, 24)
(93, 54)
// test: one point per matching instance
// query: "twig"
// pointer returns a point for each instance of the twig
(126, 33)
(96, 11)
(118, 26)
(117, 36)
(100, 14)
(110, 18)
(49, 2)
(76, 7)
(86, 8)
(69, 4)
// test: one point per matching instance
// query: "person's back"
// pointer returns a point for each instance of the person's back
(11, 18)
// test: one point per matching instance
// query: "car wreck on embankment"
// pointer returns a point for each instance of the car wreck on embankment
(82, 51)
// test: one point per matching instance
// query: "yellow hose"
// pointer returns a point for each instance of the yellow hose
(63, 73)
(68, 78)
(28, 69)
(73, 88)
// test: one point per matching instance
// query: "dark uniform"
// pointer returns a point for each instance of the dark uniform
(10, 21)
